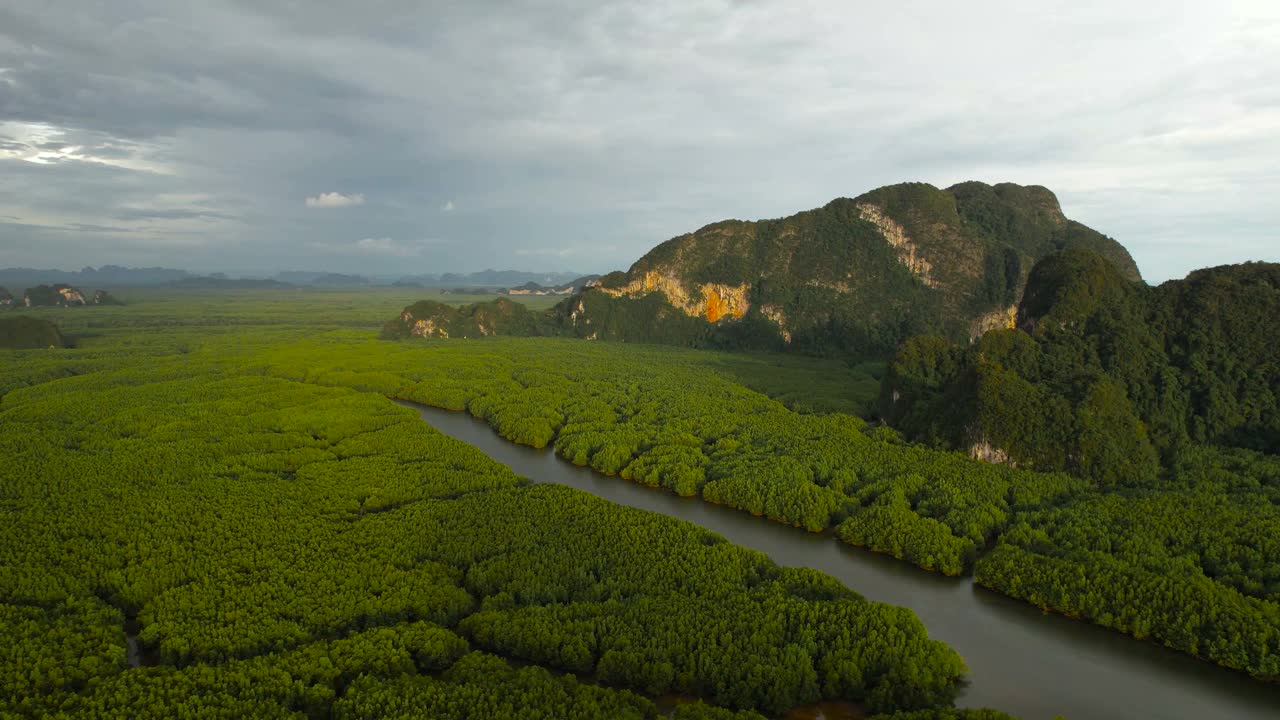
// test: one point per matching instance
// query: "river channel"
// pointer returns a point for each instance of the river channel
(1021, 660)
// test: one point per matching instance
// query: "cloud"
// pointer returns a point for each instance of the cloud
(44, 144)
(546, 252)
(334, 200)
(626, 122)
(374, 247)
(387, 246)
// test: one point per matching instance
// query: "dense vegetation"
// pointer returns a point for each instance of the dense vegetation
(646, 416)
(1140, 391)
(660, 417)
(1196, 568)
(22, 332)
(1104, 377)
(264, 505)
(281, 542)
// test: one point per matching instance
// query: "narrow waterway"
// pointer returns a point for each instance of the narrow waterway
(1021, 660)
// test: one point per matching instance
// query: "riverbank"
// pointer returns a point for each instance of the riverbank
(1029, 663)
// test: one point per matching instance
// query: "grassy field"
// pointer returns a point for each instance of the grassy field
(184, 316)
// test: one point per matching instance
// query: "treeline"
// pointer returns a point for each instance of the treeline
(1195, 566)
(290, 550)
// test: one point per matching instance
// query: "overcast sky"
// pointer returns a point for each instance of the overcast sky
(392, 137)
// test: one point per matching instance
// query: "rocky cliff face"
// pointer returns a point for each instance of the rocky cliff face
(1002, 318)
(896, 235)
(709, 301)
(983, 450)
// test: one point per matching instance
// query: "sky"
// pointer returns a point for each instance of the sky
(389, 137)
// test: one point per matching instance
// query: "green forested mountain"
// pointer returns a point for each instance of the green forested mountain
(1104, 376)
(856, 276)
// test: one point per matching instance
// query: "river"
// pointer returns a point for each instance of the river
(1021, 660)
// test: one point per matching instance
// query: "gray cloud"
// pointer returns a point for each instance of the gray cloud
(606, 128)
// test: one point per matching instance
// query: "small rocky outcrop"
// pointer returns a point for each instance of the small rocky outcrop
(53, 296)
(102, 297)
(432, 319)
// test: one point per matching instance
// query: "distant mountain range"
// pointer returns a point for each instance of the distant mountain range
(491, 278)
(118, 276)
(576, 285)
(112, 275)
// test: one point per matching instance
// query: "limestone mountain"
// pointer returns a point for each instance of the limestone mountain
(856, 275)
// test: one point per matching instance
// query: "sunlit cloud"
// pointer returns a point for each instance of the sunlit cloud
(376, 247)
(44, 144)
(546, 252)
(334, 200)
